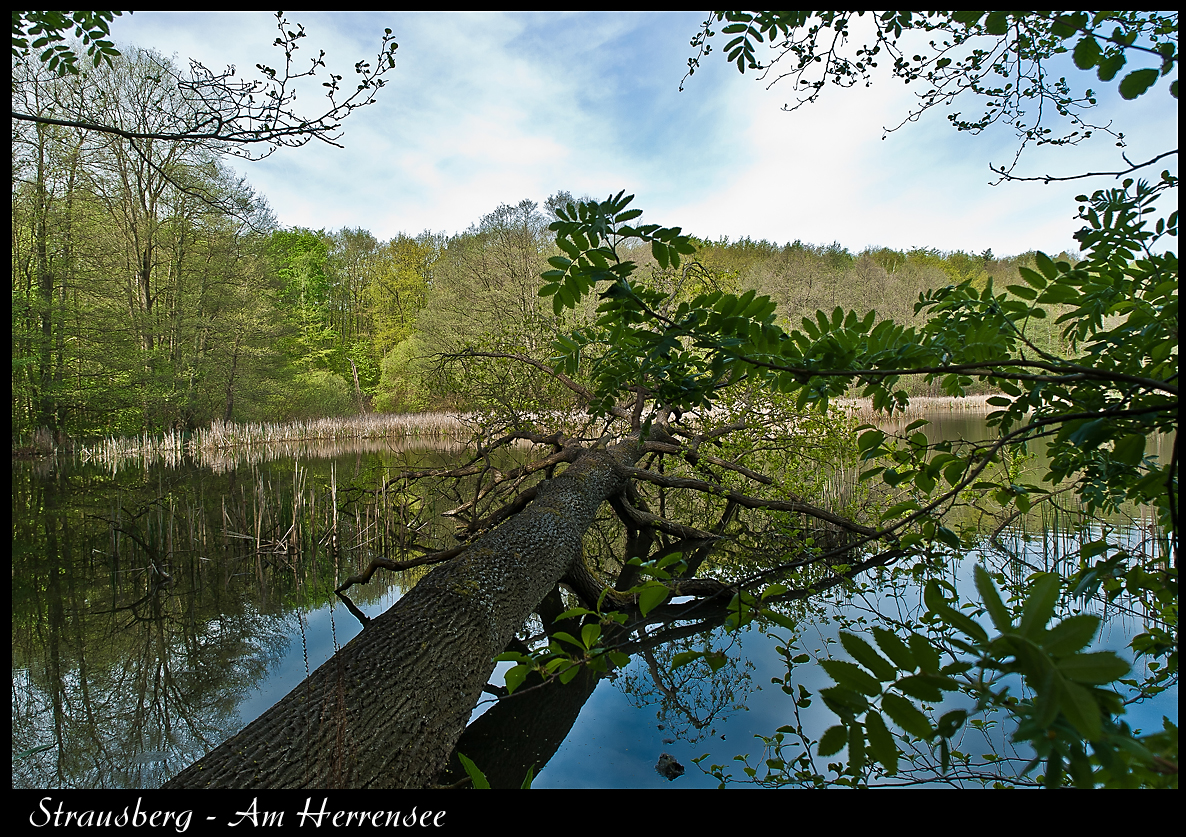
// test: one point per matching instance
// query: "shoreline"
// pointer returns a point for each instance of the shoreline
(225, 437)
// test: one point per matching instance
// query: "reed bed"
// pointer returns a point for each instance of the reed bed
(920, 405)
(225, 445)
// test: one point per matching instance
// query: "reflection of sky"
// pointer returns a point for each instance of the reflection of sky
(326, 629)
(616, 744)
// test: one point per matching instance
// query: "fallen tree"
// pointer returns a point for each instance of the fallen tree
(386, 710)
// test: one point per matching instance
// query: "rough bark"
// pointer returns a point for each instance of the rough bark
(388, 708)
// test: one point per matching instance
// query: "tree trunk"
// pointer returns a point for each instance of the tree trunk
(387, 709)
(358, 390)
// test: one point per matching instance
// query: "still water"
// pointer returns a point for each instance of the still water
(159, 608)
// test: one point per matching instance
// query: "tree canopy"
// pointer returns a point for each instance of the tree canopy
(1002, 61)
(1094, 406)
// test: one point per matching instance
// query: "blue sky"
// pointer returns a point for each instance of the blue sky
(485, 109)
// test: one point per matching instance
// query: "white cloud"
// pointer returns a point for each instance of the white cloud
(484, 109)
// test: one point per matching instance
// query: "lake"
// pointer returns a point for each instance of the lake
(159, 607)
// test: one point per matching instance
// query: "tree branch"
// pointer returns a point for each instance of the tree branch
(388, 564)
(1048, 178)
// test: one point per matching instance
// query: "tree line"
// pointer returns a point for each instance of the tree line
(152, 288)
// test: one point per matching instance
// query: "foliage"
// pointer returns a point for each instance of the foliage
(399, 290)
(482, 317)
(403, 386)
(140, 295)
(1003, 57)
(48, 32)
(1095, 408)
(1071, 703)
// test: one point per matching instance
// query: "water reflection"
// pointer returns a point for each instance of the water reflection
(157, 610)
(148, 607)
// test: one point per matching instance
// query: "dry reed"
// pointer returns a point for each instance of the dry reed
(224, 445)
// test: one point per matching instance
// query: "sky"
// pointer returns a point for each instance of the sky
(485, 109)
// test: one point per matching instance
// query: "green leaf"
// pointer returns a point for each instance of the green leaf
(856, 750)
(1081, 710)
(939, 606)
(475, 775)
(950, 722)
(569, 638)
(1039, 605)
(1033, 278)
(1096, 669)
(1071, 634)
(590, 634)
(833, 740)
(1129, 450)
(893, 647)
(842, 700)
(1137, 82)
(881, 742)
(1087, 53)
(659, 250)
(515, 676)
(780, 619)
(997, 23)
(907, 716)
(684, 658)
(864, 654)
(715, 660)
(1046, 265)
(776, 589)
(922, 686)
(925, 653)
(850, 676)
(574, 612)
(1001, 618)
(651, 597)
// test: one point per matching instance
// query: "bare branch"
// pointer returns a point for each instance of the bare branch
(388, 564)
(794, 505)
(252, 119)
(1048, 178)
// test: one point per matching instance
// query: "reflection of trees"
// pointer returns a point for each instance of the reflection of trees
(692, 698)
(137, 629)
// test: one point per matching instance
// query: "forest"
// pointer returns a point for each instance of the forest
(685, 383)
(154, 291)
